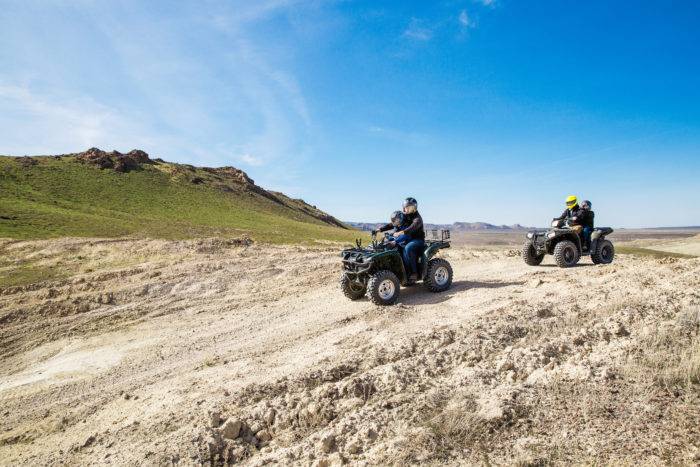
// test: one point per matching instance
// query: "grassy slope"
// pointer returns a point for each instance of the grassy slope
(62, 197)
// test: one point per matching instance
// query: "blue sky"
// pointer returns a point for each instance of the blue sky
(482, 110)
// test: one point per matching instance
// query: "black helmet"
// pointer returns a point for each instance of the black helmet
(586, 205)
(410, 205)
(397, 218)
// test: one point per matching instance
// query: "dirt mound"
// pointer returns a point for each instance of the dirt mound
(114, 160)
(26, 161)
(215, 351)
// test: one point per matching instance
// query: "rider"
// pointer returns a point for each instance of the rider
(577, 217)
(416, 235)
(398, 222)
(586, 220)
(412, 233)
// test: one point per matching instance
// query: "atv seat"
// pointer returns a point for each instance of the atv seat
(599, 231)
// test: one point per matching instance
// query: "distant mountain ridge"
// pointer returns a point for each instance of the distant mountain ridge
(455, 227)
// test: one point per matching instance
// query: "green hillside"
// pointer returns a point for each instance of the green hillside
(99, 194)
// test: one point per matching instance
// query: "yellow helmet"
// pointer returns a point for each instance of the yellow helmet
(571, 201)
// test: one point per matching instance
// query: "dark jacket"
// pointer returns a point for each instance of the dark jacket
(578, 216)
(412, 226)
(586, 218)
(391, 226)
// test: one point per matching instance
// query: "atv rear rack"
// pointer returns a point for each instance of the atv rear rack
(438, 235)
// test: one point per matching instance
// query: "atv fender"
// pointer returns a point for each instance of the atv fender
(569, 236)
(432, 249)
(599, 234)
(390, 260)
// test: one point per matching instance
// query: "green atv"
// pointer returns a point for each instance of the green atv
(378, 270)
(566, 246)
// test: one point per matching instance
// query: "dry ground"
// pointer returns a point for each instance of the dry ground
(156, 352)
(684, 246)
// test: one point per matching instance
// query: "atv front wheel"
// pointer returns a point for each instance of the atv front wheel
(604, 254)
(438, 277)
(351, 289)
(566, 254)
(530, 255)
(383, 287)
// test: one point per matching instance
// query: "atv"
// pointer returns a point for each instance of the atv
(378, 270)
(565, 244)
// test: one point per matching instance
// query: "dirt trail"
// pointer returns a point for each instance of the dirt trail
(160, 352)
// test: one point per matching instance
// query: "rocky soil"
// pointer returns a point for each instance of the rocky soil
(215, 351)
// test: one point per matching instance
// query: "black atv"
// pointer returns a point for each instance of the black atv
(565, 244)
(378, 270)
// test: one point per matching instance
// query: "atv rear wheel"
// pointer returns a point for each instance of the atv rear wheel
(566, 254)
(438, 277)
(351, 289)
(530, 255)
(383, 288)
(604, 254)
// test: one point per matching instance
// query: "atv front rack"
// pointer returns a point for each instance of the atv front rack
(354, 262)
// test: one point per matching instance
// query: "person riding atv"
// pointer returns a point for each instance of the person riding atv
(398, 222)
(579, 218)
(413, 234)
(378, 270)
(571, 236)
(587, 218)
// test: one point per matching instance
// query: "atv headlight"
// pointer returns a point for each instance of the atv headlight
(551, 234)
(529, 235)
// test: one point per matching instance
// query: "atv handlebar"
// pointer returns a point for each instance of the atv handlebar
(562, 223)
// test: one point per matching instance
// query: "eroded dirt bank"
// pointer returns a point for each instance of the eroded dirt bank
(155, 352)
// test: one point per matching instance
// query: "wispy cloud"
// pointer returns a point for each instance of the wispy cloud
(417, 30)
(488, 3)
(250, 159)
(64, 125)
(239, 103)
(465, 20)
(413, 138)
(248, 12)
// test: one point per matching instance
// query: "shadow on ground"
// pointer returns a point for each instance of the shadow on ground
(418, 295)
(577, 265)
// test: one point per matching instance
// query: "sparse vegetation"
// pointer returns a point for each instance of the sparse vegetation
(633, 250)
(669, 355)
(28, 273)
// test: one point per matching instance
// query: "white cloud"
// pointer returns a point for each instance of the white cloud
(249, 12)
(239, 103)
(43, 124)
(418, 31)
(465, 20)
(250, 160)
(489, 3)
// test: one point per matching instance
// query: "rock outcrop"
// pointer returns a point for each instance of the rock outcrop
(114, 160)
